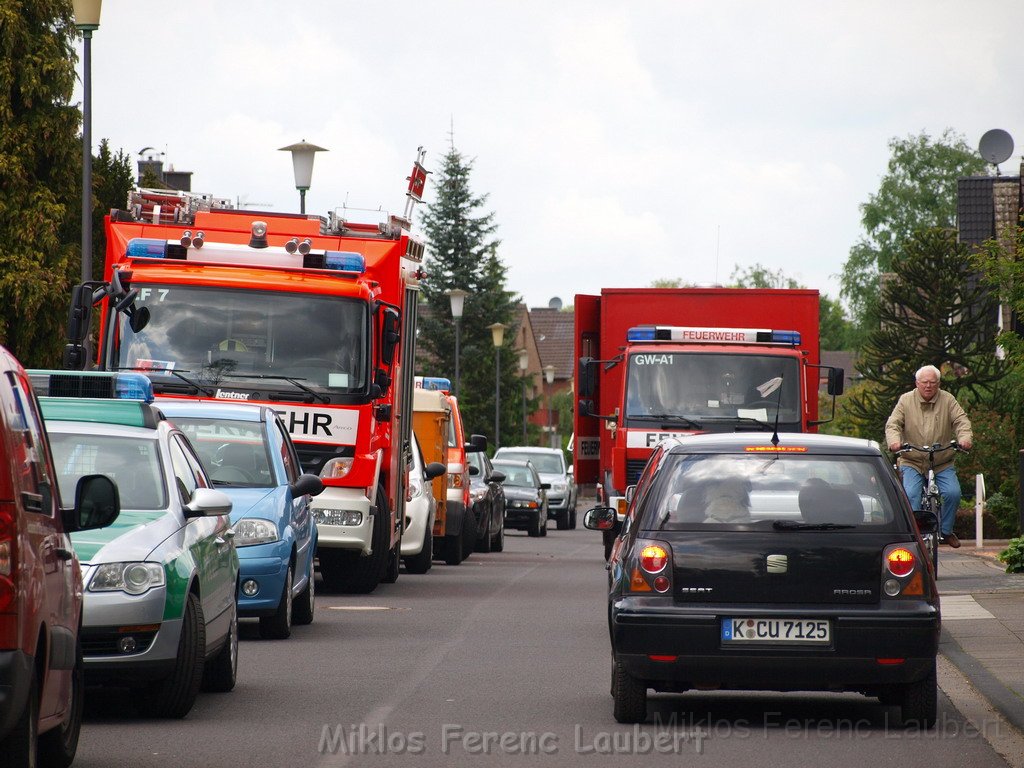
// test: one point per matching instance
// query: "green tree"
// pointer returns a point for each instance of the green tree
(463, 253)
(112, 179)
(760, 276)
(933, 310)
(918, 190)
(40, 164)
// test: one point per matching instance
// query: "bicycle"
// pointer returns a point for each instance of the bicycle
(931, 499)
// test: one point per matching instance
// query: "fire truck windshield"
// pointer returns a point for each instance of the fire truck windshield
(708, 387)
(215, 335)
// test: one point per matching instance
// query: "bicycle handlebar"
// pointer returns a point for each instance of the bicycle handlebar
(931, 450)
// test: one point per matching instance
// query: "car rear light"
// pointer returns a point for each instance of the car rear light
(900, 561)
(652, 567)
(653, 558)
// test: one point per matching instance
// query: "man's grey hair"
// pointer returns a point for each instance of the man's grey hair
(928, 369)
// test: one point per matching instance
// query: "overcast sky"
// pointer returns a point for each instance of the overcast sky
(620, 142)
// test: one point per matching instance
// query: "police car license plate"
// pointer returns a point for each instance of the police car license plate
(776, 631)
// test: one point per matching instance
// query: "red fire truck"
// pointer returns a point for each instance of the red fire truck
(313, 316)
(661, 362)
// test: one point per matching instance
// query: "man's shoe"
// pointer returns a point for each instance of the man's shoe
(951, 540)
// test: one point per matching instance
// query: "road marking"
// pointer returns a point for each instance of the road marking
(364, 608)
(962, 608)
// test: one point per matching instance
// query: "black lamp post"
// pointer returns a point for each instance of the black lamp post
(457, 297)
(87, 19)
(549, 377)
(302, 165)
(498, 337)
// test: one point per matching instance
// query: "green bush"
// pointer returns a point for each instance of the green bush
(1013, 556)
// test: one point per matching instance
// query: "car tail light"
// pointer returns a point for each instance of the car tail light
(652, 567)
(9, 628)
(900, 561)
(653, 558)
(903, 571)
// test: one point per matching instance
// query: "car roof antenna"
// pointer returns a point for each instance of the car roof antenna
(778, 409)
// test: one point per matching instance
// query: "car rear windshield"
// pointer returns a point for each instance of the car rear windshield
(134, 464)
(515, 475)
(784, 490)
(546, 463)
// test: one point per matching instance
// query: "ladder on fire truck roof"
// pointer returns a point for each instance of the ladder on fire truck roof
(170, 206)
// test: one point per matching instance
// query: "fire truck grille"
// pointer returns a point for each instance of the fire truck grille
(634, 467)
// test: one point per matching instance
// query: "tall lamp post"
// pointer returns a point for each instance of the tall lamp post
(549, 377)
(524, 363)
(302, 165)
(87, 19)
(498, 337)
(457, 297)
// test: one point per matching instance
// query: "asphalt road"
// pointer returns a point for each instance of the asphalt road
(503, 660)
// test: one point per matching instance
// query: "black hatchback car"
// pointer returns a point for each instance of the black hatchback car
(746, 564)
(526, 497)
(488, 499)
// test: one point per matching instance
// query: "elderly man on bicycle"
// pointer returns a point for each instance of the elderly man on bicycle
(925, 416)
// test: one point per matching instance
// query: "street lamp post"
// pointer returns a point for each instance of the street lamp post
(498, 337)
(524, 363)
(549, 377)
(87, 19)
(457, 297)
(302, 165)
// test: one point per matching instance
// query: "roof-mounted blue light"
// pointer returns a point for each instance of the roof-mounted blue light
(133, 386)
(146, 248)
(434, 383)
(641, 333)
(92, 384)
(786, 337)
(345, 261)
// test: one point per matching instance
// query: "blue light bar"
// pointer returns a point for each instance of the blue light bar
(345, 261)
(786, 337)
(641, 333)
(146, 248)
(435, 383)
(133, 386)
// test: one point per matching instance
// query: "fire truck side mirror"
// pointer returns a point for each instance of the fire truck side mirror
(836, 381)
(80, 314)
(586, 408)
(390, 323)
(586, 376)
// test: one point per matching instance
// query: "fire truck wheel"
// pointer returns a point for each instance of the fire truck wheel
(453, 549)
(391, 572)
(361, 575)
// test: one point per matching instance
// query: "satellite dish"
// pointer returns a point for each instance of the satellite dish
(555, 303)
(996, 146)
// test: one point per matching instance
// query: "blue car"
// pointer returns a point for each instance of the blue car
(248, 454)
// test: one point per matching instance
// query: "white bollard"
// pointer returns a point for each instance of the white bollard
(979, 508)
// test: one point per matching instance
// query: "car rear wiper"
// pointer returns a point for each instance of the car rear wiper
(792, 525)
(177, 374)
(297, 383)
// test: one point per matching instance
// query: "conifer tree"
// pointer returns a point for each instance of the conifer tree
(462, 252)
(40, 163)
(933, 310)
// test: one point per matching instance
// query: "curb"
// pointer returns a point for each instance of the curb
(1009, 704)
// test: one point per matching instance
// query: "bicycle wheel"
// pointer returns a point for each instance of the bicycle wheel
(935, 506)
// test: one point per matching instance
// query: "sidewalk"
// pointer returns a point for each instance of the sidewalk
(983, 624)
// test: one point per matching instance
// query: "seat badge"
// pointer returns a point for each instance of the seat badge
(778, 564)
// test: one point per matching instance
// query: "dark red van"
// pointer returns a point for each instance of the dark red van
(40, 583)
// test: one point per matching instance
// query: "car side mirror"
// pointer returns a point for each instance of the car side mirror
(473, 470)
(434, 469)
(599, 519)
(476, 444)
(207, 502)
(630, 493)
(926, 521)
(307, 485)
(97, 504)
(496, 477)
(545, 486)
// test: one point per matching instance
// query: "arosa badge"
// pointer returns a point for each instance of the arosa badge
(778, 564)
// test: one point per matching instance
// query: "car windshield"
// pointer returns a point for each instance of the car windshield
(134, 464)
(547, 463)
(234, 452)
(781, 490)
(515, 475)
(473, 458)
(217, 335)
(701, 386)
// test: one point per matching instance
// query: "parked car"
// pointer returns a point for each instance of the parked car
(753, 562)
(552, 467)
(420, 511)
(526, 501)
(250, 456)
(41, 681)
(488, 499)
(160, 613)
